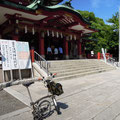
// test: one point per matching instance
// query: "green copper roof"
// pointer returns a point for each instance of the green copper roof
(14, 5)
(60, 7)
(36, 5)
(70, 10)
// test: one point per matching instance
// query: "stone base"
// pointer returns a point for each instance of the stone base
(66, 56)
(80, 56)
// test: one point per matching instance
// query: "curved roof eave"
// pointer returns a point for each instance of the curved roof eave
(8, 3)
(64, 8)
(47, 8)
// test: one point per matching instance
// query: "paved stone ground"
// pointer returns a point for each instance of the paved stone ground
(93, 97)
(8, 103)
(1, 78)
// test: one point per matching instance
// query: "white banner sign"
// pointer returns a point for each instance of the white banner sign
(15, 55)
(5, 55)
(103, 52)
(23, 55)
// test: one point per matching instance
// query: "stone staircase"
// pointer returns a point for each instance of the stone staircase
(67, 69)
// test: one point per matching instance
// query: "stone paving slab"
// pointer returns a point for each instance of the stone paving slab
(93, 97)
(9, 103)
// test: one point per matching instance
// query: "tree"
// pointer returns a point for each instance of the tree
(101, 36)
(114, 36)
(107, 37)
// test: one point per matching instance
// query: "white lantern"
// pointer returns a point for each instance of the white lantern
(70, 37)
(57, 34)
(53, 34)
(61, 35)
(17, 21)
(74, 37)
(33, 31)
(48, 33)
(25, 28)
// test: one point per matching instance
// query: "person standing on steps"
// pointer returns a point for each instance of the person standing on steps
(49, 53)
(56, 53)
(60, 52)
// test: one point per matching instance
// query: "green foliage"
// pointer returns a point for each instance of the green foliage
(107, 37)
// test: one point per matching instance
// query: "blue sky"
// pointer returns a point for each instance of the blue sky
(102, 8)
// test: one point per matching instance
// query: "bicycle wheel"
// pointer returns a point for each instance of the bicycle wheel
(44, 108)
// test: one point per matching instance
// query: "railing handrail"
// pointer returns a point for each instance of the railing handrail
(47, 64)
(40, 56)
(112, 61)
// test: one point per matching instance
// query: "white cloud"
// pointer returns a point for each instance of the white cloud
(95, 3)
(107, 3)
(108, 23)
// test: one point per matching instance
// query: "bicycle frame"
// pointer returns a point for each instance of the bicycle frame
(35, 105)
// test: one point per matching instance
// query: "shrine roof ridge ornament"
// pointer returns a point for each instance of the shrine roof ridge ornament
(45, 2)
(68, 3)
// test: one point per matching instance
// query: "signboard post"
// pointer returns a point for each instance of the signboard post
(103, 52)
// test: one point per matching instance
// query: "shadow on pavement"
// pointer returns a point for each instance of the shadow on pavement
(62, 105)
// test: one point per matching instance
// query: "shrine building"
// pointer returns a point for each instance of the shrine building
(45, 23)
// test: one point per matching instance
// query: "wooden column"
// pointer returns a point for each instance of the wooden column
(66, 56)
(32, 55)
(41, 45)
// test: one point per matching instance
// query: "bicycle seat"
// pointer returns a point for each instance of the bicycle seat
(27, 84)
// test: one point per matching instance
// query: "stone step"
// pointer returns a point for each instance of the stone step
(81, 71)
(69, 61)
(78, 68)
(58, 68)
(67, 69)
(77, 63)
(78, 75)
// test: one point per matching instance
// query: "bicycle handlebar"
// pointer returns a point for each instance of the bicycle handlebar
(17, 82)
(49, 79)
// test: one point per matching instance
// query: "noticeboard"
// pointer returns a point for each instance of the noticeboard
(15, 55)
(23, 55)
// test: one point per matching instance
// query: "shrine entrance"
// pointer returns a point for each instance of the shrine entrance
(73, 50)
(32, 39)
(53, 43)
(43, 27)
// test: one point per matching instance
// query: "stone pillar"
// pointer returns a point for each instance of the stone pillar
(41, 45)
(79, 49)
(66, 56)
